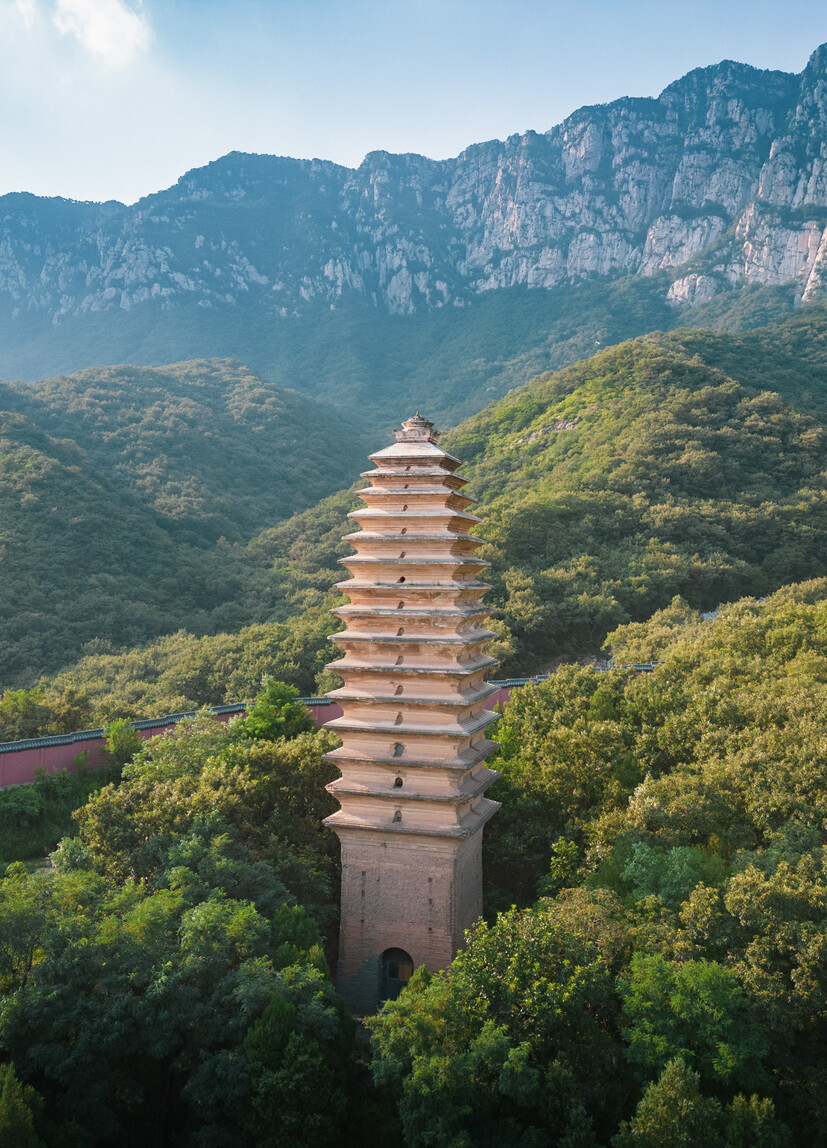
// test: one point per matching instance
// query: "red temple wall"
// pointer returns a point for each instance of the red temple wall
(17, 766)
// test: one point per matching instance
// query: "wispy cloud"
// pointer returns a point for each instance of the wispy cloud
(112, 31)
(27, 11)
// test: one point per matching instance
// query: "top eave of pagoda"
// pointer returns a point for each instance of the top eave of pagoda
(416, 438)
(425, 451)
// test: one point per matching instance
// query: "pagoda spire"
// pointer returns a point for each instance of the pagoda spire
(413, 778)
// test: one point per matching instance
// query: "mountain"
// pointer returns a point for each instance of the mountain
(365, 363)
(716, 185)
(130, 528)
(209, 446)
(687, 463)
(80, 560)
(650, 471)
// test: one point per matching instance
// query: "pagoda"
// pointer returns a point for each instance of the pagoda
(412, 759)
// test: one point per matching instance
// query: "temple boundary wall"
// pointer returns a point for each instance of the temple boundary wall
(20, 759)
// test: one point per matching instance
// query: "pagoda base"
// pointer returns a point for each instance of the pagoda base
(400, 894)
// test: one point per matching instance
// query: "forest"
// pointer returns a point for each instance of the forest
(689, 463)
(652, 968)
(131, 527)
(551, 869)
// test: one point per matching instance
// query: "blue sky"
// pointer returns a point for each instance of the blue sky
(113, 99)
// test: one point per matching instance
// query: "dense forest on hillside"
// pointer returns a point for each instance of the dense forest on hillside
(663, 970)
(196, 453)
(166, 981)
(668, 985)
(690, 463)
(123, 531)
(661, 979)
(210, 447)
(82, 560)
(645, 472)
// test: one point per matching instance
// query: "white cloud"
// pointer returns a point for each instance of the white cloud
(27, 10)
(110, 30)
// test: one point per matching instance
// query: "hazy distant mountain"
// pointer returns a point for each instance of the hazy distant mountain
(718, 183)
(721, 179)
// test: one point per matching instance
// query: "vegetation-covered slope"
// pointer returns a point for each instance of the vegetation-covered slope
(669, 986)
(118, 534)
(81, 560)
(606, 489)
(208, 445)
(645, 472)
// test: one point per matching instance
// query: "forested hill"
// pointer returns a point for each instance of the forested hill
(649, 471)
(117, 533)
(690, 463)
(80, 560)
(209, 446)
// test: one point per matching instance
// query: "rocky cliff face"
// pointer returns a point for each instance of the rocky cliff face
(720, 181)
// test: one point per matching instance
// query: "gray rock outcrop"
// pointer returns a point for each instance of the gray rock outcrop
(720, 181)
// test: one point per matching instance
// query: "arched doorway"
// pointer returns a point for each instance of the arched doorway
(397, 969)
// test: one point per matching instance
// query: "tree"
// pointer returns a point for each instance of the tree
(19, 1105)
(122, 742)
(34, 713)
(696, 1012)
(132, 1004)
(269, 796)
(275, 714)
(674, 1113)
(299, 1052)
(516, 1041)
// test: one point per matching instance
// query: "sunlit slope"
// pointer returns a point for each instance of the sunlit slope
(648, 471)
(605, 489)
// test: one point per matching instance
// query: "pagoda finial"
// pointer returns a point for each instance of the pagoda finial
(417, 429)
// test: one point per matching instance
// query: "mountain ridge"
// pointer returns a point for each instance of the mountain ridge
(132, 527)
(698, 182)
(211, 447)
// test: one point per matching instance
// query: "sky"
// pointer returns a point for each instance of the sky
(114, 99)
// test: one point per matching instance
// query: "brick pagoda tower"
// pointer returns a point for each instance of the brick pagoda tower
(413, 723)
